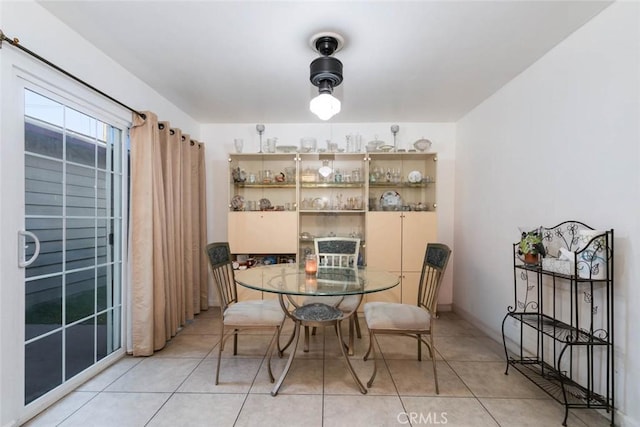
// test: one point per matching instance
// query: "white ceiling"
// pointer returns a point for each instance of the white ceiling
(248, 61)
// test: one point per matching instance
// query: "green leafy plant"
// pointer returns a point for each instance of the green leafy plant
(531, 243)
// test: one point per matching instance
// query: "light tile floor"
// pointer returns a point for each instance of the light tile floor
(175, 387)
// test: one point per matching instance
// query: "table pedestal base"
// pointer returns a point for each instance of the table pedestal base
(316, 314)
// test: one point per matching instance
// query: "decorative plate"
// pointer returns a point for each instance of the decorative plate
(237, 203)
(265, 204)
(390, 199)
(385, 148)
(414, 177)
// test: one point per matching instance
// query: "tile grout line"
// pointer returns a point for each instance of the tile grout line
(98, 393)
(253, 381)
(187, 376)
(324, 361)
(467, 386)
(178, 386)
(393, 381)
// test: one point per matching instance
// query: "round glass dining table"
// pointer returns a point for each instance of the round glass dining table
(291, 279)
(288, 280)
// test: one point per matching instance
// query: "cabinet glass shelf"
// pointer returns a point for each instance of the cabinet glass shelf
(345, 211)
(262, 185)
(401, 155)
(311, 184)
(310, 241)
(400, 184)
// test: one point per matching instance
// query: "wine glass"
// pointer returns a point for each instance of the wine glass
(260, 129)
(394, 131)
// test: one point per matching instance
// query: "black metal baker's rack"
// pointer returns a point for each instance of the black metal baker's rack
(562, 319)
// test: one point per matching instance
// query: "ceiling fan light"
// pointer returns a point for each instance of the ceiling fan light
(324, 106)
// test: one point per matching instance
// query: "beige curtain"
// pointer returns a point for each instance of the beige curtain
(167, 233)
(204, 261)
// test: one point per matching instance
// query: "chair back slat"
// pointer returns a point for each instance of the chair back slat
(435, 262)
(337, 251)
(222, 270)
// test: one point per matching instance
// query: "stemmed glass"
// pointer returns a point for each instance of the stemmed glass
(394, 131)
(260, 129)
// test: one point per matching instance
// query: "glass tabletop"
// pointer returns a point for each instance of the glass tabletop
(292, 280)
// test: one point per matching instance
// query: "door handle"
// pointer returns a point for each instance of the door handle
(22, 234)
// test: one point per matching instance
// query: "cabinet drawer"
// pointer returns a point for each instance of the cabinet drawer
(263, 232)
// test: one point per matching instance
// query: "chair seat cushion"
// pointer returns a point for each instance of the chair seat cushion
(395, 316)
(254, 313)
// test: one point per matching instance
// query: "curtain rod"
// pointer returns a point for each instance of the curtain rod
(16, 43)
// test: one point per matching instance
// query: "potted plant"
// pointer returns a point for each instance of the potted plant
(530, 246)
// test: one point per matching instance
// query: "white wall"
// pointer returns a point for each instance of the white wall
(559, 142)
(570, 123)
(219, 142)
(45, 35)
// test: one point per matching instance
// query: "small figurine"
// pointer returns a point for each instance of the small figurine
(238, 175)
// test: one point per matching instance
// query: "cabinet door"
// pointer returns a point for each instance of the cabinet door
(410, 283)
(418, 229)
(246, 294)
(263, 232)
(384, 240)
(390, 295)
(410, 175)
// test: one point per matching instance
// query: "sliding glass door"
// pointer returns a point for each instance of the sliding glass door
(73, 191)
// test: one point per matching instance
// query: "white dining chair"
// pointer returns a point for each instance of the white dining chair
(342, 252)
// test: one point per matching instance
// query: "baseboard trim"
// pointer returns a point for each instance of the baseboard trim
(622, 420)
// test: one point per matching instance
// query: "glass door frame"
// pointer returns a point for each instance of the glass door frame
(12, 219)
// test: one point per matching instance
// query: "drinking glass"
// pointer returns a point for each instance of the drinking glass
(271, 145)
(358, 143)
(238, 143)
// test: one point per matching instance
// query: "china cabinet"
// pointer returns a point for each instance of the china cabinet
(278, 202)
(562, 317)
